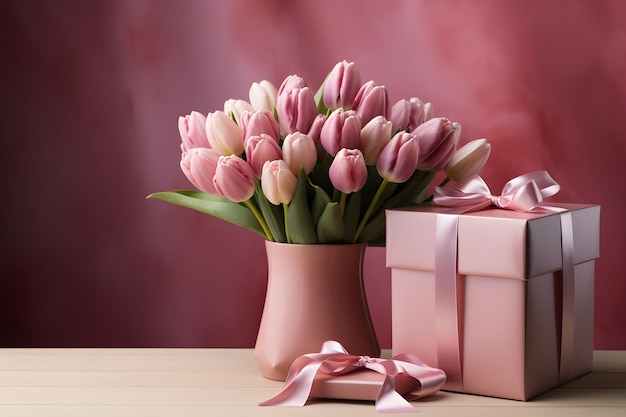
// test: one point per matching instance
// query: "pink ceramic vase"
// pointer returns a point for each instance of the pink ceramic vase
(314, 293)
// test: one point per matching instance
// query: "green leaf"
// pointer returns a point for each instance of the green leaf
(330, 228)
(272, 214)
(352, 215)
(319, 97)
(374, 229)
(320, 200)
(219, 207)
(299, 218)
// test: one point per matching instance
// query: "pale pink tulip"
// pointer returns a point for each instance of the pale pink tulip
(260, 149)
(342, 85)
(348, 172)
(437, 138)
(223, 133)
(398, 160)
(192, 129)
(278, 182)
(374, 136)
(259, 122)
(234, 178)
(371, 101)
(342, 129)
(235, 108)
(468, 160)
(263, 96)
(199, 165)
(407, 114)
(299, 152)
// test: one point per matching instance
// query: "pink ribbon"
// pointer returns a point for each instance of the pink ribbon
(523, 193)
(334, 360)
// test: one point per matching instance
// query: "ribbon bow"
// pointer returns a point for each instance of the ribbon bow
(522, 193)
(334, 360)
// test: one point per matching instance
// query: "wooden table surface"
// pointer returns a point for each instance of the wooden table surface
(226, 382)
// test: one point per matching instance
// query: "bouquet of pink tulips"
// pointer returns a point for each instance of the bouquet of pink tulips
(302, 167)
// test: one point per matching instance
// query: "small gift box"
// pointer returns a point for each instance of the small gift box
(334, 373)
(501, 300)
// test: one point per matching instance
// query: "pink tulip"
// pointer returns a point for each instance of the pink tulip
(371, 101)
(348, 172)
(398, 159)
(296, 110)
(437, 139)
(259, 122)
(278, 182)
(235, 108)
(342, 85)
(374, 136)
(299, 152)
(468, 160)
(407, 114)
(342, 129)
(263, 96)
(199, 165)
(234, 178)
(223, 133)
(260, 149)
(192, 129)
(291, 82)
(314, 133)
(295, 105)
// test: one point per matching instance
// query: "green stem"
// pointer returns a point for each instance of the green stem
(444, 182)
(260, 218)
(370, 210)
(286, 210)
(342, 203)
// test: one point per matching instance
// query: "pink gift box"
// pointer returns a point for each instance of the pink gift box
(521, 330)
(360, 385)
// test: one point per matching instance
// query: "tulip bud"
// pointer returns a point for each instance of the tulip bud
(278, 182)
(259, 122)
(342, 85)
(348, 172)
(260, 149)
(296, 109)
(234, 178)
(468, 160)
(398, 159)
(291, 82)
(342, 129)
(192, 129)
(407, 114)
(263, 96)
(314, 133)
(223, 134)
(199, 165)
(371, 101)
(299, 152)
(429, 111)
(374, 136)
(437, 139)
(235, 108)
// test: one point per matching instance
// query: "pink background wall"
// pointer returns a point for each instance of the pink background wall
(91, 92)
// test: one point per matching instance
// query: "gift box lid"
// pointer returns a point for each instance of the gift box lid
(493, 242)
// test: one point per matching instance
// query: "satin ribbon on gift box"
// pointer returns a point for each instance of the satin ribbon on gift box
(524, 193)
(334, 360)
